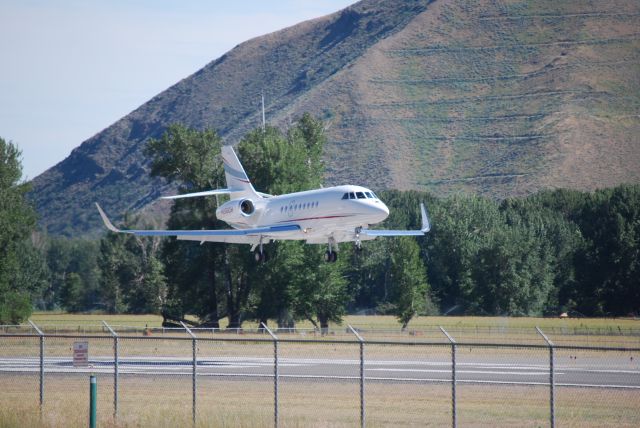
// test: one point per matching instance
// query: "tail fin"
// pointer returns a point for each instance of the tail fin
(238, 183)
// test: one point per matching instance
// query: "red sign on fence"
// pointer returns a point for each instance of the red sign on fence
(80, 354)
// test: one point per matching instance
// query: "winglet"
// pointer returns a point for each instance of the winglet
(106, 220)
(426, 224)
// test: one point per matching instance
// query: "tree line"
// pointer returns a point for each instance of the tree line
(554, 251)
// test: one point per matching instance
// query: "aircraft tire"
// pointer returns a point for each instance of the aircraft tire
(260, 257)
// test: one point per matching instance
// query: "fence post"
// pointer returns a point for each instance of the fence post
(552, 384)
(115, 368)
(41, 334)
(276, 374)
(454, 416)
(93, 401)
(362, 404)
(194, 344)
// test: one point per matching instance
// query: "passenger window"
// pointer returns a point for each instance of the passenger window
(360, 195)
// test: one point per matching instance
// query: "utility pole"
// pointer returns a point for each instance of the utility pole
(263, 120)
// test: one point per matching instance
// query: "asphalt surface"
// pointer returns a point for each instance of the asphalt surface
(620, 371)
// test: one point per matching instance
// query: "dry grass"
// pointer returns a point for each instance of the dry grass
(376, 321)
(223, 403)
(513, 330)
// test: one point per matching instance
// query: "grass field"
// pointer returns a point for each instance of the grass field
(221, 403)
(567, 331)
(363, 321)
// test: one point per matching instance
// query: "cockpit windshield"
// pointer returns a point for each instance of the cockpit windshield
(359, 195)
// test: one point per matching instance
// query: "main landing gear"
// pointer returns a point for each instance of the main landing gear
(331, 256)
(259, 255)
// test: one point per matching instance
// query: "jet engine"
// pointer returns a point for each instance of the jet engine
(246, 207)
(236, 211)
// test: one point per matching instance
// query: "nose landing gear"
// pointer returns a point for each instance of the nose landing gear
(358, 243)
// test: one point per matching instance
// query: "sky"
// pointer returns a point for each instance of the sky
(71, 68)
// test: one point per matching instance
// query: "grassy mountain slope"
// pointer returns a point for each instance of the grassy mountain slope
(500, 98)
(496, 97)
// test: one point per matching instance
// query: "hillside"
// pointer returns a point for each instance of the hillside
(500, 98)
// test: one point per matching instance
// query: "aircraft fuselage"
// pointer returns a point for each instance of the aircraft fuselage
(322, 213)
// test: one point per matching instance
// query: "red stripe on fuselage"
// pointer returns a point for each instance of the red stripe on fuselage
(315, 218)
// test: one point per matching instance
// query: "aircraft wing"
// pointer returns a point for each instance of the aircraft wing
(239, 236)
(426, 227)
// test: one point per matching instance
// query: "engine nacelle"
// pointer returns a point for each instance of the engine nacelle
(246, 207)
(236, 211)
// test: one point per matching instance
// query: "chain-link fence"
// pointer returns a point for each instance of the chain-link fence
(351, 377)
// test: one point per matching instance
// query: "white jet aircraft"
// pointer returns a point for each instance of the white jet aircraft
(328, 215)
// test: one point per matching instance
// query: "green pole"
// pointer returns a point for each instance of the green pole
(93, 394)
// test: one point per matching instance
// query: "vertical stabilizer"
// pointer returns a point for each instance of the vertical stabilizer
(238, 182)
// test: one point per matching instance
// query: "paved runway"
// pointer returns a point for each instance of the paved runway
(619, 372)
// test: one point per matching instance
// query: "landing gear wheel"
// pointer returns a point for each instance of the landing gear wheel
(330, 256)
(260, 257)
(357, 242)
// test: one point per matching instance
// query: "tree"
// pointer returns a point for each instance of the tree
(17, 221)
(321, 292)
(409, 280)
(71, 293)
(462, 226)
(215, 280)
(191, 159)
(65, 256)
(132, 277)
(282, 164)
(609, 267)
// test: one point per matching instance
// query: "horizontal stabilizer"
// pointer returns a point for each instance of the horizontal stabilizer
(199, 194)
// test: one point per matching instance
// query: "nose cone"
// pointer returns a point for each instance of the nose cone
(382, 211)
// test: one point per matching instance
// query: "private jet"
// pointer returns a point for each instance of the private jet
(322, 216)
